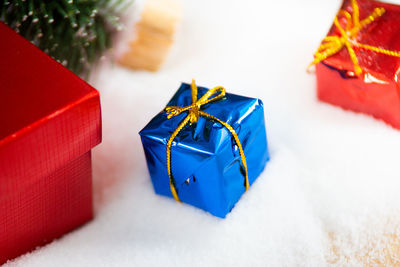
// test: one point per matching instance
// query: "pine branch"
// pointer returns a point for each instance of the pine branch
(74, 32)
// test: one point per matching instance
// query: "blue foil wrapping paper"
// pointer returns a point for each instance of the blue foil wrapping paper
(205, 159)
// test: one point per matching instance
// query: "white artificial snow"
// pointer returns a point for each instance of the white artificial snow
(329, 195)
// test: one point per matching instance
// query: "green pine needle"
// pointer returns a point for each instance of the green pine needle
(74, 32)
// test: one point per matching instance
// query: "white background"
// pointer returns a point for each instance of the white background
(330, 193)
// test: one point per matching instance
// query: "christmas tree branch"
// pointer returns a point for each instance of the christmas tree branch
(75, 33)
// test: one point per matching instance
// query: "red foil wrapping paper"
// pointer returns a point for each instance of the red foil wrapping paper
(49, 122)
(377, 90)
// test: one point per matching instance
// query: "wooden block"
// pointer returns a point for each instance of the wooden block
(154, 35)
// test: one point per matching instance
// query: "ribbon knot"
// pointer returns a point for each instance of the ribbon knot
(194, 108)
(331, 45)
(194, 112)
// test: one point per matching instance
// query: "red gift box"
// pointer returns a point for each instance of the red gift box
(376, 89)
(49, 122)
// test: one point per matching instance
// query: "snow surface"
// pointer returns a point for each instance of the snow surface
(329, 195)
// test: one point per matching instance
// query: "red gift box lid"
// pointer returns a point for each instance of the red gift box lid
(384, 33)
(48, 115)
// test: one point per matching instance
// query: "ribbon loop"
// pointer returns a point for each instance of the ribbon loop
(331, 45)
(193, 116)
(173, 111)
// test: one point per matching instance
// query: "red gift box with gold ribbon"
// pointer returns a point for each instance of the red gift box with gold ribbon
(49, 122)
(358, 63)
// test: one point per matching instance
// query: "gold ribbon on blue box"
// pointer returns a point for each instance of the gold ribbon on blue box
(206, 147)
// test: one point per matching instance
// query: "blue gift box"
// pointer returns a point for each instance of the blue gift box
(208, 170)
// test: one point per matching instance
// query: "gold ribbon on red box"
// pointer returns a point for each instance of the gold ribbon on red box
(331, 45)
